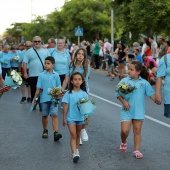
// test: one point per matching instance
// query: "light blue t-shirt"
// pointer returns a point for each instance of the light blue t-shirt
(164, 71)
(5, 57)
(21, 59)
(69, 71)
(136, 99)
(14, 63)
(35, 65)
(72, 99)
(51, 51)
(47, 81)
(0, 68)
(139, 57)
(61, 61)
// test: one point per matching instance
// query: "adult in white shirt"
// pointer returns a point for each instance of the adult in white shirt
(107, 47)
(143, 46)
(154, 47)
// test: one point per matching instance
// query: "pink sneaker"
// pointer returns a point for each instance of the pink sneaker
(123, 147)
(137, 154)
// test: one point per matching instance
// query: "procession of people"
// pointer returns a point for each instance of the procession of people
(68, 66)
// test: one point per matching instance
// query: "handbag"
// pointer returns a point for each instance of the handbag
(39, 58)
(101, 52)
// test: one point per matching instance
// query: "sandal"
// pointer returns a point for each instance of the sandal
(137, 154)
(123, 147)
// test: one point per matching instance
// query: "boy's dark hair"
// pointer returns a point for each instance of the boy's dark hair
(139, 67)
(83, 85)
(137, 50)
(107, 52)
(144, 55)
(151, 37)
(51, 59)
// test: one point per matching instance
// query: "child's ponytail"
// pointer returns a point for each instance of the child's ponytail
(139, 67)
(144, 73)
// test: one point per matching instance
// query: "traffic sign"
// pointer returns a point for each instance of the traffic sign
(78, 31)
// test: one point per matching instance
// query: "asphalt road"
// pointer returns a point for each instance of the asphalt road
(22, 148)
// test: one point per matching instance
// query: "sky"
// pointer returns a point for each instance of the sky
(12, 11)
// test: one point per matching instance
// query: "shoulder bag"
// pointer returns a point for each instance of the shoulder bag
(39, 58)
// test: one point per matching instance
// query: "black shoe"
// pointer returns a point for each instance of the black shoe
(34, 107)
(57, 136)
(23, 100)
(28, 99)
(45, 133)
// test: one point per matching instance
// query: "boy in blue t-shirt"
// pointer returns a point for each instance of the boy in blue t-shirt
(48, 80)
(138, 56)
(108, 58)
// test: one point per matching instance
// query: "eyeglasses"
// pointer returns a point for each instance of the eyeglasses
(28, 46)
(37, 41)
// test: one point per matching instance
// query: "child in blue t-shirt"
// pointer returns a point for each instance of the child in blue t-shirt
(109, 60)
(133, 105)
(71, 114)
(48, 80)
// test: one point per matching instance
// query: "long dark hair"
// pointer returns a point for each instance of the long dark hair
(139, 67)
(147, 42)
(83, 85)
(84, 63)
(151, 65)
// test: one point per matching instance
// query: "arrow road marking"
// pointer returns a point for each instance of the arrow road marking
(118, 105)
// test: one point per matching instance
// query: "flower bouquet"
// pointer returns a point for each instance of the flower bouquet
(16, 58)
(13, 79)
(3, 90)
(86, 107)
(35, 101)
(125, 88)
(56, 94)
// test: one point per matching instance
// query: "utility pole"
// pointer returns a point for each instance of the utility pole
(112, 28)
(31, 11)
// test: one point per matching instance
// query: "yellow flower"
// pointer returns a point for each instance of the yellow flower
(124, 86)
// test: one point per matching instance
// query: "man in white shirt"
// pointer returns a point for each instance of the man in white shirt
(154, 47)
(107, 47)
(143, 46)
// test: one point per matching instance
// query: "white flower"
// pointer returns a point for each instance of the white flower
(16, 79)
(16, 57)
(13, 72)
(13, 77)
(20, 82)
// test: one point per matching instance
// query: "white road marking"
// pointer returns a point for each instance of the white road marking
(118, 105)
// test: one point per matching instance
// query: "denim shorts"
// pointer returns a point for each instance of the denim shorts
(48, 108)
(75, 122)
(167, 110)
(110, 68)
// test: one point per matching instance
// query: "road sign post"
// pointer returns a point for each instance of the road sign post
(78, 32)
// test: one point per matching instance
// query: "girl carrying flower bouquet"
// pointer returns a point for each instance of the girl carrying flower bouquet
(71, 114)
(131, 92)
(79, 64)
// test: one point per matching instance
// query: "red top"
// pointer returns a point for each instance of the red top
(168, 51)
(148, 52)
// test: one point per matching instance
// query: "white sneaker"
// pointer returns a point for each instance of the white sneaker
(76, 157)
(77, 151)
(81, 143)
(84, 135)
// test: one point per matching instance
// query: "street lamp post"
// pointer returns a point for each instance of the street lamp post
(112, 28)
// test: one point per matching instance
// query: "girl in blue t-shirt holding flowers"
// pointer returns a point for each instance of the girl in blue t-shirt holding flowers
(71, 114)
(79, 64)
(133, 104)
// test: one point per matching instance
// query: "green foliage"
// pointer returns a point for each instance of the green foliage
(135, 16)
